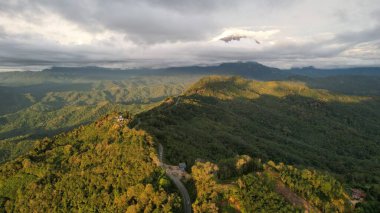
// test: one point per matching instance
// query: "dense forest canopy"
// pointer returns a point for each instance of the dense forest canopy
(298, 143)
(39, 104)
(284, 121)
(29, 112)
(104, 166)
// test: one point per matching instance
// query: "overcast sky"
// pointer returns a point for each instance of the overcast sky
(129, 33)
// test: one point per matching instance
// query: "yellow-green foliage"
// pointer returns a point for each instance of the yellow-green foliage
(321, 190)
(204, 175)
(256, 194)
(104, 166)
(236, 87)
(45, 109)
(221, 117)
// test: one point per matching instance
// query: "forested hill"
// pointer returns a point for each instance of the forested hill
(252, 70)
(315, 72)
(87, 74)
(281, 120)
(284, 121)
(37, 110)
(276, 146)
(108, 167)
(102, 167)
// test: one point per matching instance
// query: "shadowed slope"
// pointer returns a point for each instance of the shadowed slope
(220, 117)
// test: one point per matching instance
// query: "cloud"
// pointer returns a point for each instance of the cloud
(162, 33)
(246, 33)
(355, 37)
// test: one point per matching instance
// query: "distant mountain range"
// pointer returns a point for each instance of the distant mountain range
(315, 72)
(286, 141)
(252, 70)
(246, 69)
(247, 146)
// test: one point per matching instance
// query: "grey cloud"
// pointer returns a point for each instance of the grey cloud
(40, 52)
(355, 37)
(376, 15)
(142, 21)
(2, 33)
(169, 22)
(342, 15)
(150, 21)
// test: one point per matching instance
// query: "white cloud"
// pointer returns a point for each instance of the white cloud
(148, 33)
(55, 29)
(246, 33)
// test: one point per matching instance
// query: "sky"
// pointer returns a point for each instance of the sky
(35, 34)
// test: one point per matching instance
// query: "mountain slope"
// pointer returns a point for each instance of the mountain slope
(90, 74)
(233, 122)
(104, 166)
(315, 72)
(346, 84)
(220, 117)
(38, 110)
(38, 104)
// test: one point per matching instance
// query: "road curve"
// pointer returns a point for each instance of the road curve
(182, 189)
(178, 99)
(185, 195)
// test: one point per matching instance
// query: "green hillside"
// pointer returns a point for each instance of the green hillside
(244, 184)
(276, 146)
(346, 84)
(60, 98)
(38, 110)
(107, 167)
(285, 121)
(322, 133)
(102, 167)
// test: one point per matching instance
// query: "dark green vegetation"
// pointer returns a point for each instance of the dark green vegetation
(101, 167)
(354, 71)
(284, 121)
(321, 190)
(257, 194)
(40, 105)
(243, 184)
(345, 84)
(47, 106)
(327, 128)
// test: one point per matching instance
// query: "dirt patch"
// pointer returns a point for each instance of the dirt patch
(293, 198)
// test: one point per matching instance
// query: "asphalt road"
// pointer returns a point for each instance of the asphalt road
(176, 103)
(182, 189)
(185, 195)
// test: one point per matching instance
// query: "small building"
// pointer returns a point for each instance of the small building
(120, 118)
(182, 166)
(358, 194)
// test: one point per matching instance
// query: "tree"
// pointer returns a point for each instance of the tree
(204, 175)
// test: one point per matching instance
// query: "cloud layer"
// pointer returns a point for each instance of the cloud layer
(129, 33)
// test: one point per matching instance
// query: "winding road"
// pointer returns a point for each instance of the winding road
(178, 99)
(182, 189)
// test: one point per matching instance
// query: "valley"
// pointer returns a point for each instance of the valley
(292, 143)
(262, 106)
